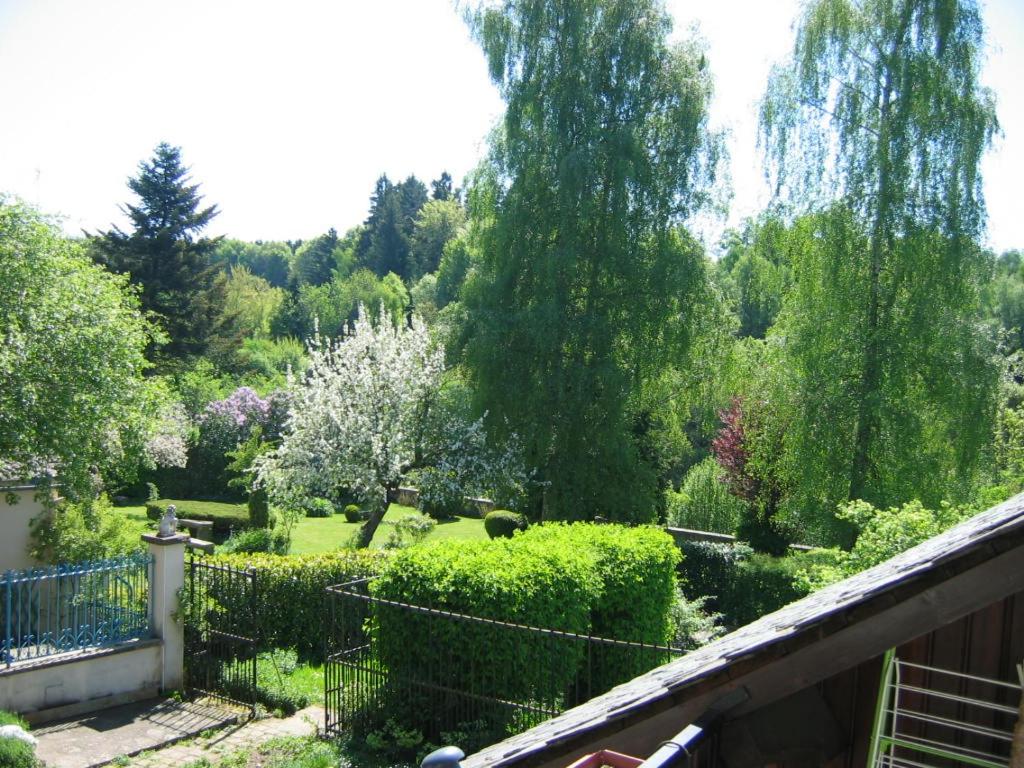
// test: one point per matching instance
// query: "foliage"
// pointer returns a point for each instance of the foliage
(704, 502)
(318, 508)
(254, 540)
(15, 753)
(275, 687)
(357, 411)
(541, 586)
(502, 523)
(694, 626)
(316, 261)
(167, 441)
(81, 531)
(585, 287)
(225, 517)
(468, 463)
(72, 396)
(271, 359)
(242, 459)
(269, 260)
(456, 260)
(881, 534)
(384, 243)
(250, 303)
(353, 514)
(738, 583)
(436, 223)
(290, 593)
(165, 257)
(755, 268)
(881, 331)
(409, 530)
(330, 308)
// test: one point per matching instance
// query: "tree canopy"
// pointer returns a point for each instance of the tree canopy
(165, 255)
(72, 394)
(586, 286)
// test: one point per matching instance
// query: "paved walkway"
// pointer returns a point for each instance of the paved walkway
(139, 729)
(224, 742)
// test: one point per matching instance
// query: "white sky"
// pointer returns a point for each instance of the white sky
(288, 111)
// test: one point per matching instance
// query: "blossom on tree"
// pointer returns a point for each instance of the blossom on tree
(356, 416)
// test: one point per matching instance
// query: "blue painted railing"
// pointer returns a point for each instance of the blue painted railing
(63, 608)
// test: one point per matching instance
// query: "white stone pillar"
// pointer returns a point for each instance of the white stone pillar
(168, 580)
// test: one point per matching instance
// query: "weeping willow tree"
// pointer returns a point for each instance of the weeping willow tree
(893, 376)
(587, 287)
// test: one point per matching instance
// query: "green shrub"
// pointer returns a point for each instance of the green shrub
(290, 592)
(259, 508)
(693, 625)
(88, 530)
(353, 514)
(318, 508)
(636, 568)
(409, 530)
(224, 516)
(501, 523)
(551, 585)
(738, 583)
(152, 492)
(13, 752)
(255, 540)
(704, 502)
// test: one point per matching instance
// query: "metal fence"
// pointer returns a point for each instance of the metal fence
(46, 611)
(221, 632)
(449, 675)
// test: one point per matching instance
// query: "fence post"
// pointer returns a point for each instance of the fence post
(168, 579)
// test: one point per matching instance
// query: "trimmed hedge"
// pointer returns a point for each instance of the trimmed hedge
(224, 516)
(501, 523)
(636, 568)
(290, 592)
(607, 580)
(744, 585)
(550, 586)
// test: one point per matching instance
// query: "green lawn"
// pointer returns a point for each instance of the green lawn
(322, 534)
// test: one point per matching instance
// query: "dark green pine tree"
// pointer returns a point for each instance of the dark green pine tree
(384, 244)
(165, 256)
(441, 189)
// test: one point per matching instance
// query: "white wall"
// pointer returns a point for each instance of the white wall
(14, 526)
(81, 678)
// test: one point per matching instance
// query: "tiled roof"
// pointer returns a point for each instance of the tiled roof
(758, 636)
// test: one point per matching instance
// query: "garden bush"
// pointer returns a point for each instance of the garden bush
(408, 530)
(501, 523)
(319, 508)
(224, 517)
(704, 502)
(87, 530)
(259, 508)
(551, 585)
(290, 592)
(15, 753)
(636, 568)
(353, 514)
(740, 584)
(255, 540)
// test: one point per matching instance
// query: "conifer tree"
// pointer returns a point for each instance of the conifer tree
(165, 255)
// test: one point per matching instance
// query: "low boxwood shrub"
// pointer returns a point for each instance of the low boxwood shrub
(551, 585)
(502, 523)
(636, 567)
(290, 593)
(353, 514)
(225, 517)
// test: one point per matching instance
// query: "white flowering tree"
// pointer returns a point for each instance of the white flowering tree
(356, 416)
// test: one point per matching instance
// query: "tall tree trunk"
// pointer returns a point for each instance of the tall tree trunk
(377, 511)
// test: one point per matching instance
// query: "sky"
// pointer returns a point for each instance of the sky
(287, 112)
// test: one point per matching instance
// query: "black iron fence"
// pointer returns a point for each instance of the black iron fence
(437, 673)
(221, 632)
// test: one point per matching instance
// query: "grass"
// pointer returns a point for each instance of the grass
(323, 534)
(314, 534)
(299, 752)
